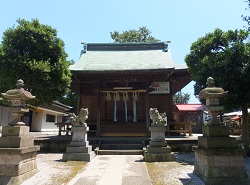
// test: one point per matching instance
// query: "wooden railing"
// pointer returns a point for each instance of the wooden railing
(64, 127)
(180, 127)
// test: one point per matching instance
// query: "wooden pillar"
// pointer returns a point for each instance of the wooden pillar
(171, 104)
(147, 110)
(78, 101)
(98, 114)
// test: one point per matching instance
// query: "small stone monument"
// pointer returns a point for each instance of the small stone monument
(17, 150)
(158, 149)
(79, 149)
(218, 160)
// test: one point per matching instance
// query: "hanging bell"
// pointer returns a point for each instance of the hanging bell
(135, 96)
(125, 96)
(117, 96)
(108, 96)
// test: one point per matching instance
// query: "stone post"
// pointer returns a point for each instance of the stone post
(218, 160)
(17, 150)
(79, 149)
(158, 149)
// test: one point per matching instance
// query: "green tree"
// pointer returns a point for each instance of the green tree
(246, 17)
(69, 99)
(225, 56)
(181, 98)
(140, 35)
(32, 52)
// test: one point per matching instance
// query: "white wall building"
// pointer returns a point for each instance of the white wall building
(42, 119)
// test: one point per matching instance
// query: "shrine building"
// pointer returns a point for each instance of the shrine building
(119, 82)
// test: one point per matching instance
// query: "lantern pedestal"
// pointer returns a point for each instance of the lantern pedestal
(217, 158)
(17, 155)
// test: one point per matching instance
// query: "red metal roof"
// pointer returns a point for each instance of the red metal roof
(189, 107)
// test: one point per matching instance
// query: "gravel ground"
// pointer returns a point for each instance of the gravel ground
(52, 171)
(179, 172)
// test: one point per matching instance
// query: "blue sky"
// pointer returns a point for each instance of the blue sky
(181, 22)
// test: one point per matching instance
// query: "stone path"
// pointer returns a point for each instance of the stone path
(118, 170)
(115, 170)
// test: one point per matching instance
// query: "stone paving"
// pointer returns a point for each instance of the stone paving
(119, 170)
(122, 170)
(114, 170)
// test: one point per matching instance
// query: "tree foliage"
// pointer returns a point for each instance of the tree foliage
(246, 17)
(33, 52)
(69, 99)
(181, 98)
(140, 35)
(225, 56)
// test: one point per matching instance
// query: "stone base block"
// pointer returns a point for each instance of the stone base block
(16, 141)
(226, 181)
(219, 166)
(80, 133)
(79, 143)
(149, 157)
(157, 133)
(15, 162)
(15, 131)
(217, 142)
(156, 150)
(9, 180)
(158, 144)
(217, 175)
(215, 131)
(79, 156)
(87, 149)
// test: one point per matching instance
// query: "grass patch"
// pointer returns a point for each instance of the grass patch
(156, 173)
(67, 171)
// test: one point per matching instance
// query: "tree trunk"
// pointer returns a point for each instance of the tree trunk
(245, 132)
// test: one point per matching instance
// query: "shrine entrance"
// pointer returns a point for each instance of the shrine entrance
(118, 83)
(124, 112)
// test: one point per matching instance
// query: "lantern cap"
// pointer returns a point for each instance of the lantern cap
(19, 93)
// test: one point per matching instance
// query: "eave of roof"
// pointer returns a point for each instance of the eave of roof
(57, 106)
(189, 107)
(129, 57)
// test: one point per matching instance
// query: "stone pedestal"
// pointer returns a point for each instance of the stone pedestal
(79, 149)
(158, 149)
(17, 155)
(217, 158)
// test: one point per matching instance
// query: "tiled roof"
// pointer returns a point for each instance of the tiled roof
(125, 57)
(190, 107)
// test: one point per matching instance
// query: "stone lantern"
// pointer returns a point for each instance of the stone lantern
(218, 159)
(17, 149)
(212, 94)
(17, 98)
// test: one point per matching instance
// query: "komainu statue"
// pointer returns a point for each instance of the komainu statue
(81, 118)
(158, 120)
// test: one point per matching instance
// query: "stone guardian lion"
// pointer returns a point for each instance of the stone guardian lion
(81, 118)
(157, 119)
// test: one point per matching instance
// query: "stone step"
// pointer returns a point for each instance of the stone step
(119, 152)
(122, 141)
(121, 146)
